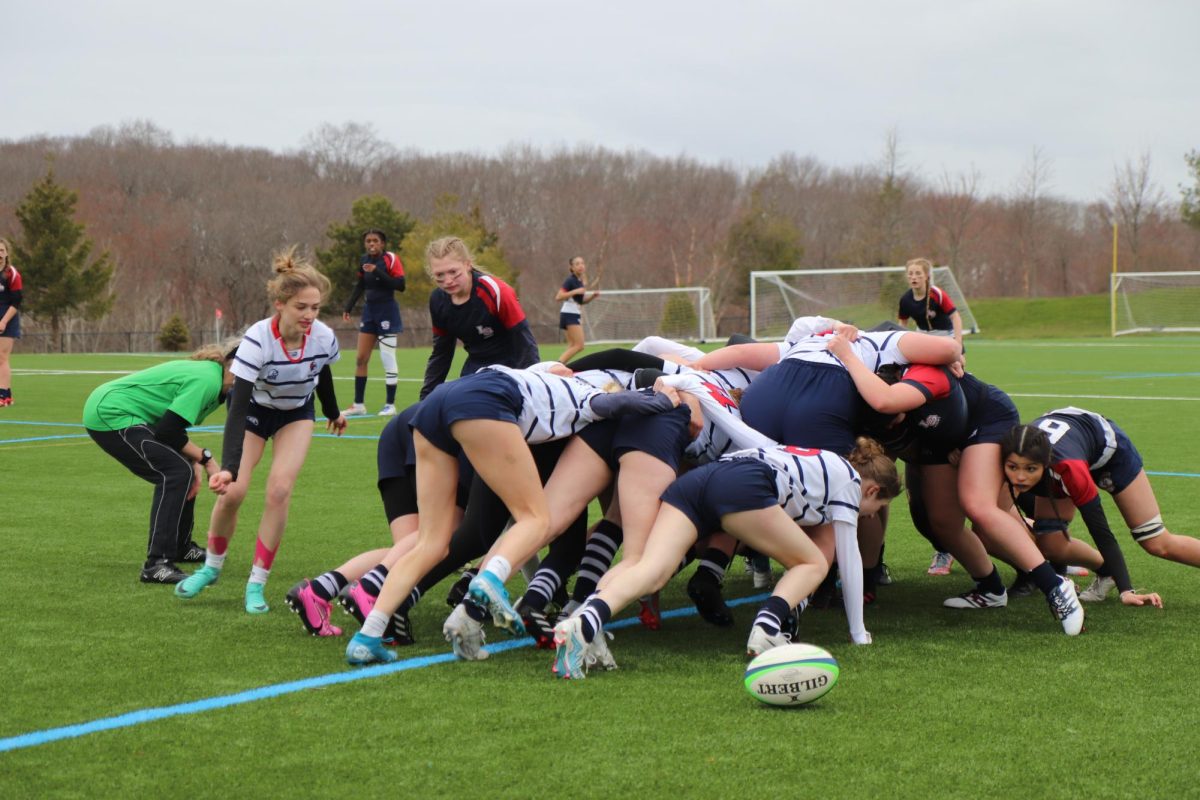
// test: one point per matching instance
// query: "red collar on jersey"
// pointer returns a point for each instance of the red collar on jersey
(283, 345)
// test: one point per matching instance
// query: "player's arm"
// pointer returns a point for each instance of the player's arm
(875, 391)
(356, 293)
(526, 347)
(849, 565)
(235, 430)
(438, 366)
(336, 422)
(757, 356)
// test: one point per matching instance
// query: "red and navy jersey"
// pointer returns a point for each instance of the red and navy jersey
(933, 313)
(1081, 442)
(942, 420)
(491, 325)
(11, 288)
(381, 283)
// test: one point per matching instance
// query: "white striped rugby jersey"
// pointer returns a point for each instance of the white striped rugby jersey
(813, 486)
(875, 349)
(723, 430)
(283, 379)
(603, 378)
(552, 407)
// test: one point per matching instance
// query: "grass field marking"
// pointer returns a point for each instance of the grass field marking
(1026, 343)
(132, 718)
(45, 438)
(1102, 397)
(1173, 474)
(46, 372)
(31, 422)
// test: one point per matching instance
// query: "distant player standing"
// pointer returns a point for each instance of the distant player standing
(574, 295)
(479, 310)
(10, 319)
(282, 361)
(380, 276)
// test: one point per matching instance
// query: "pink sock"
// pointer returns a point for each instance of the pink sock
(262, 555)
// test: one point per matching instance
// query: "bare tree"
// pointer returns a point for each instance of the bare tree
(1028, 206)
(954, 206)
(1134, 197)
(349, 153)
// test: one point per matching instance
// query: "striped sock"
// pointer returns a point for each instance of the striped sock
(543, 586)
(598, 556)
(328, 585)
(594, 616)
(372, 582)
(771, 614)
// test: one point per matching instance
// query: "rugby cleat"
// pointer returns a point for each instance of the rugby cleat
(399, 629)
(388, 410)
(760, 641)
(356, 602)
(570, 649)
(598, 654)
(536, 625)
(940, 565)
(1022, 585)
(459, 590)
(312, 610)
(486, 590)
(1065, 606)
(195, 583)
(1097, 591)
(162, 571)
(465, 635)
(192, 553)
(650, 614)
(255, 602)
(367, 650)
(355, 410)
(704, 588)
(977, 599)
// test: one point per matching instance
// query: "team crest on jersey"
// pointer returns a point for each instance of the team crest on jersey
(385, 324)
(273, 374)
(252, 420)
(1106, 482)
(930, 421)
(484, 331)
(312, 367)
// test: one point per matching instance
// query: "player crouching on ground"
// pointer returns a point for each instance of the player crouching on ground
(761, 497)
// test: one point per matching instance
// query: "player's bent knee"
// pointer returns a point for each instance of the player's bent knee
(279, 494)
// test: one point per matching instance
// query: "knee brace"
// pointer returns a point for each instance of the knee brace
(387, 354)
(1044, 526)
(1148, 529)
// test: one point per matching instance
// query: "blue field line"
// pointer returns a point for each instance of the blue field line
(1173, 474)
(49, 424)
(45, 438)
(133, 718)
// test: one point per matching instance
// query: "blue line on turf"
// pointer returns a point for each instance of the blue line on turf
(133, 718)
(1174, 474)
(45, 438)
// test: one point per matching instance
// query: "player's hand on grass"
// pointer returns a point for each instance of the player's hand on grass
(220, 481)
(336, 426)
(1132, 598)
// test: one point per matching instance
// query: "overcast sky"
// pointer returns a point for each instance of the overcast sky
(963, 83)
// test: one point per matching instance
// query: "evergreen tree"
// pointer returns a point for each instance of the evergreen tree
(1191, 194)
(761, 240)
(340, 262)
(61, 278)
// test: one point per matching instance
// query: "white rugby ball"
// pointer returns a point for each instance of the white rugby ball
(791, 675)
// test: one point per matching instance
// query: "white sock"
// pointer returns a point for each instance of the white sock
(259, 575)
(375, 624)
(499, 567)
(214, 561)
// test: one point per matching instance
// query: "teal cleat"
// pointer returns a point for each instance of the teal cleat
(571, 650)
(486, 590)
(255, 602)
(195, 583)
(364, 649)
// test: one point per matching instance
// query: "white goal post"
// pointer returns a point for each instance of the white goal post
(864, 296)
(628, 315)
(1155, 302)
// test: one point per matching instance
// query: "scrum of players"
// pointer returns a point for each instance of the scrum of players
(784, 450)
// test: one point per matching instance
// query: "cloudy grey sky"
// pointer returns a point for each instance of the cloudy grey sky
(964, 83)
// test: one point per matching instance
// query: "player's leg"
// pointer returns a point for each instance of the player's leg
(6, 346)
(574, 342)
(1139, 507)
(387, 357)
(939, 499)
(362, 359)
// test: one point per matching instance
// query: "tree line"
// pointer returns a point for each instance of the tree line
(186, 228)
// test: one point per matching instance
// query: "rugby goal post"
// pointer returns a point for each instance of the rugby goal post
(864, 296)
(629, 315)
(1155, 302)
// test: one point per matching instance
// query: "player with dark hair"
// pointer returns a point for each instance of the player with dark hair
(11, 296)
(281, 363)
(1071, 453)
(141, 420)
(479, 310)
(380, 276)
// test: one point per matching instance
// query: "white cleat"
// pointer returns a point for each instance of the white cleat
(388, 410)
(977, 599)
(1065, 606)
(760, 641)
(465, 635)
(355, 410)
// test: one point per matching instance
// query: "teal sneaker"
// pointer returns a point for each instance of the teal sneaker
(364, 649)
(255, 602)
(486, 590)
(195, 583)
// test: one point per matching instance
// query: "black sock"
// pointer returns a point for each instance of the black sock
(328, 585)
(1045, 577)
(391, 394)
(360, 388)
(474, 611)
(372, 582)
(772, 613)
(991, 583)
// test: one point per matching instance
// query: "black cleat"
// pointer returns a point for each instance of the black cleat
(161, 571)
(705, 591)
(192, 553)
(536, 625)
(399, 630)
(459, 590)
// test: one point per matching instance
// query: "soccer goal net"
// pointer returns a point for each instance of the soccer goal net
(864, 296)
(1155, 302)
(627, 315)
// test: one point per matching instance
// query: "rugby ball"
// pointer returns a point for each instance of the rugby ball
(791, 675)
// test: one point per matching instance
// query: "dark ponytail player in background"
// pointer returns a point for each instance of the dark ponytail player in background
(380, 276)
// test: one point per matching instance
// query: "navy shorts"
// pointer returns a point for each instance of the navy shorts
(804, 404)
(13, 329)
(485, 395)
(1125, 465)
(264, 422)
(394, 452)
(565, 319)
(992, 419)
(381, 319)
(664, 436)
(710, 492)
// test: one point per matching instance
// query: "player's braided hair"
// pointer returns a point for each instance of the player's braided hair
(926, 267)
(1031, 442)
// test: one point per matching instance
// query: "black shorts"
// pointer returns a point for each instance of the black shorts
(565, 319)
(264, 421)
(710, 492)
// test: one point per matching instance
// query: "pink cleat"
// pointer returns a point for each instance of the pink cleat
(313, 611)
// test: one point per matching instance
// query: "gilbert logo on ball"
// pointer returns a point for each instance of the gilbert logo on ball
(791, 675)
